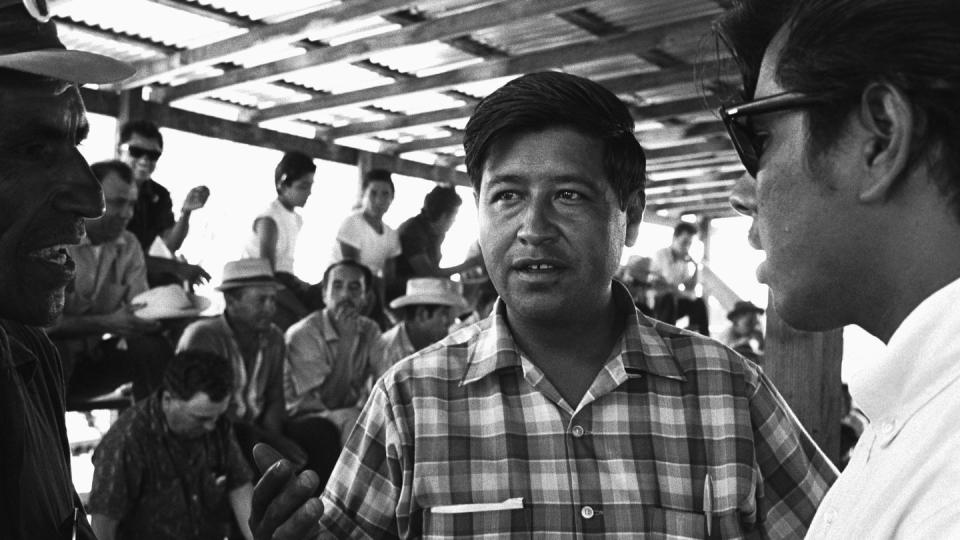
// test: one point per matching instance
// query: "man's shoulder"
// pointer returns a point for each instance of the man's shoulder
(696, 354)
(443, 362)
(311, 322)
(132, 425)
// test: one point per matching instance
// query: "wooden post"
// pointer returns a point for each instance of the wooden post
(805, 367)
(364, 164)
(131, 107)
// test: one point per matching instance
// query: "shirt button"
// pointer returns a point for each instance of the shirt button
(586, 512)
(577, 432)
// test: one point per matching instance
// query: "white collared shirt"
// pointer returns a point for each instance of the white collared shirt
(903, 480)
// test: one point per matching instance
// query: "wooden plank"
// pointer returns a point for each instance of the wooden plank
(805, 367)
(700, 199)
(427, 144)
(712, 147)
(431, 30)
(701, 179)
(539, 60)
(286, 31)
(110, 104)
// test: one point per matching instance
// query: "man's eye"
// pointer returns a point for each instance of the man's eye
(504, 196)
(759, 141)
(569, 195)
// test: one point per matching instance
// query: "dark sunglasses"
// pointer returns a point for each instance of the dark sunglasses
(735, 118)
(137, 152)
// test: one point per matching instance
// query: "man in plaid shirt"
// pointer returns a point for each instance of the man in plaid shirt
(566, 413)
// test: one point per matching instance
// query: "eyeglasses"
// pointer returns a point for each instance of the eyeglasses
(138, 152)
(742, 134)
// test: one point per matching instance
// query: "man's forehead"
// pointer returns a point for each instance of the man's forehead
(43, 107)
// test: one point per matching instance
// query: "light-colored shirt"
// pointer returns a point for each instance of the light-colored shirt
(395, 344)
(312, 345)
(289, 224)
(374, 248)
(471, 421)
(252, 387)
(675, 270)
(903, 479)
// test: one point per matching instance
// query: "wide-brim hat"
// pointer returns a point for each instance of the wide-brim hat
(247, 273)
(30, 44)
(743, 307)
(431, 291)
(169, 302)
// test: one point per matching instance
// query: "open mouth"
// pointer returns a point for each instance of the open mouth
(55, 254)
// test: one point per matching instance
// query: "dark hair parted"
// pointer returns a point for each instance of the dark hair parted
(144, 128)
(685, 228)
(101, 169)
(293, 165)
(350, 263)
(377, 175)
(837, 48)
(193, 371)
(439, 202)
(547, 99)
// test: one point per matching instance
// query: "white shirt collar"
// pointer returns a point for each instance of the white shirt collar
(921, 359)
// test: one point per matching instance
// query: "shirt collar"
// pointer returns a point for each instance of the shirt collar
(119, 241)
(642, 349)
(326, 327)
(917, 364)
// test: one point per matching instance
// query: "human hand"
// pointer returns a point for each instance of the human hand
(196, 198)
(346, 315)
(124, 322)
(192, 273)
(283, 506)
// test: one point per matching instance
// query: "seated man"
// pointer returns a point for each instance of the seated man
(332, 353)
(744, 334)
(245, 335)
(636, 277)
(566, 414)
(102, 342)
(427, 311)
(676, 279)
(170, 468)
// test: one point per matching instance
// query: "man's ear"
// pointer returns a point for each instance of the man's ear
(635, 203)
(887, 117)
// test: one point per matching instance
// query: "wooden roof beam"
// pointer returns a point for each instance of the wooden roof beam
(539, 60)
(109, 104)
(449, 27)
(286, 31)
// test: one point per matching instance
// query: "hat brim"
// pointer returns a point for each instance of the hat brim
(428, 299)
(79, 67)
(736, 313)
(251, 283)
(200, 304)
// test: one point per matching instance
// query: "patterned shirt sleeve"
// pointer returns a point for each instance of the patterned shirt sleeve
(363, 498)
(795, 473)
(118, 471)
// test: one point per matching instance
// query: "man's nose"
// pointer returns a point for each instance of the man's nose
(537, 225)
(743, 199)
(78, 191)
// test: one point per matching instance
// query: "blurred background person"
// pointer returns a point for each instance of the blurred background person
(744, 335)
(677, 275)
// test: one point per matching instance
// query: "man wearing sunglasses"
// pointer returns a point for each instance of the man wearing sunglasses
(141, 145)
(850, 132)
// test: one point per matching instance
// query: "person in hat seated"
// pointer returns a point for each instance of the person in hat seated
(676, 278)
(246, 335)
(744, 334)
(426, 311)
(332, 353)
(101, 338)
(638, 279)
(169, 468)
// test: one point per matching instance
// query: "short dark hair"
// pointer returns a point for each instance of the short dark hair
(144, 128)
(193, 371)
(101, 169)
(545, 99)
(350, 263)
(377, 175)
(439, 202)
(292, 166)
(685, 228)
(836, 48)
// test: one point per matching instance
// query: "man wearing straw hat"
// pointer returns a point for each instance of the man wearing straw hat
(427, 310)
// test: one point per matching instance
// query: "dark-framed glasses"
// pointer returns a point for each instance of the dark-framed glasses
(137, 152)
(736, 120)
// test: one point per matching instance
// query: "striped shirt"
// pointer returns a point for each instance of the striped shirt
(676, 436)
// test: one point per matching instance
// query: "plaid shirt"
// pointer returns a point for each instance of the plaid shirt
(470, 420)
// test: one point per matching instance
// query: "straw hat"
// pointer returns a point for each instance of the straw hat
(169, 302)
(431, 291)
(246, 273)
(29, 43)
(743, 307)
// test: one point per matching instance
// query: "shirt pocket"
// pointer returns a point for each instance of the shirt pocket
(663, 523)
(507, 519)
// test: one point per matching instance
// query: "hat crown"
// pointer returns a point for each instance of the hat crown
(247, 269)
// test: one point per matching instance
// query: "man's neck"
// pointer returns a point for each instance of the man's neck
(570, 352)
